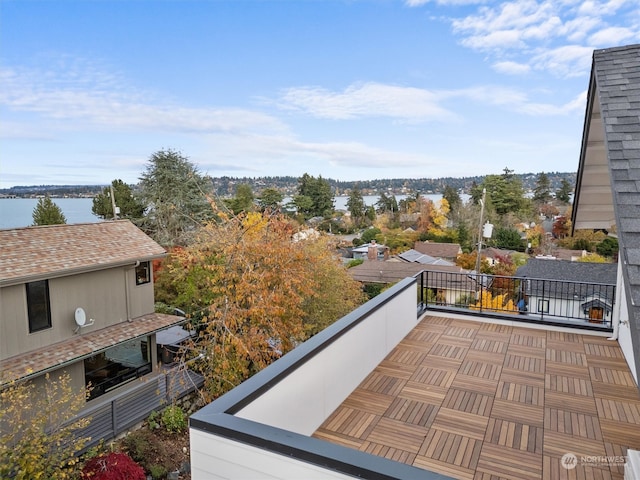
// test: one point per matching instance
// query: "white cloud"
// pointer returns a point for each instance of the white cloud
(613, 36)
(366, 100)
(419, 3)
(566, 61)
(87, 100)
(511, 68)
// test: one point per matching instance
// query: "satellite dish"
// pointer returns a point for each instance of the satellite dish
(80, 316)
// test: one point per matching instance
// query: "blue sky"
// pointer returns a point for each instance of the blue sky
(344, 89)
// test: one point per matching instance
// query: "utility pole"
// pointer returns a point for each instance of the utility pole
(484, 194)
(113, 203)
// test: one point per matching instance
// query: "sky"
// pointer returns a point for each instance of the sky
(346, 89)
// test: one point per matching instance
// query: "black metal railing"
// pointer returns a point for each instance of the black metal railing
(578, 304)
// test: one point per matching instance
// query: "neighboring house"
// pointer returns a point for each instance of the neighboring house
(79, 298)
(446, 288)
(493, 254)
(371, 251)
(549, 295)
(424, 259)
(567, 254)
(446, 251)
(607, 194)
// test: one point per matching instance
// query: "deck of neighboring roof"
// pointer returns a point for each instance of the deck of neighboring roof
(477, 400)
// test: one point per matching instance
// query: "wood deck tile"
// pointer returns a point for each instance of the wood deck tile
(526, 351)
(424, 393)
(526, 340)
(490, 371)
(600, 350)
(566, 356)
(613, 376)
(468, 401)
(621, 433)
(395, 369)
(433, 376)
(557, 444)
(442, 362)
(350, 422)
(568, 346)
(518, 412)
(519, 436)
(565, 337)
(566, 384)
(380, 383)
(485, 386)
(572, 423)
(495, 328)
(461, 423)
(474, 355)
(448, 351)
(616, 392)
(408, 356)
(525, 378)
(505, 462)
(522, 363)
(567, 370)
(435, 323)
(396, 434)
(607, 362)
(618, 455)
(487, 476)
(572, 403)
(553, 469)
(460, 331)
(484, 344)
(620, 411)
(521, 393)
(386, 451)
(444, 468)
(449, 447)
(338, 438)
(412, 411)
(368, 401)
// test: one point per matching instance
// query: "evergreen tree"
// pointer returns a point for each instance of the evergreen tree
(356, 206)
(243, 201)
(542, 190)
(130, 207)
(452, 196)
(505, 192)
(318, 191)
(47, 213)
(176, 198)
(564, 193)
(270, 198)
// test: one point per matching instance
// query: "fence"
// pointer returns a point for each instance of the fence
(587, 305)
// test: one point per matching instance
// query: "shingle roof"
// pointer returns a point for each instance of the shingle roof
(56, 250)
(80, 346)
(412, 255)
(615, 83)
(439, 250)
(390, 272)
(567, 271)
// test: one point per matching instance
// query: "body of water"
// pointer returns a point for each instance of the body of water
(17, 212)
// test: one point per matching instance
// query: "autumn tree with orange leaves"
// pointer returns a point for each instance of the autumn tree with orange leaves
(256, 293)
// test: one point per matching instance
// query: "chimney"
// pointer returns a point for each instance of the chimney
(372, 251)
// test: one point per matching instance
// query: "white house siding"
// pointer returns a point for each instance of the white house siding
(214, 457)
(303, 401)
(624, 331)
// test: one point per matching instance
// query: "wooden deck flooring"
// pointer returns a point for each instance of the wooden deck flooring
(485, 401)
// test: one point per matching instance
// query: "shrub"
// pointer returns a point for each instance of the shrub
(158, 471)
(355, 262)
(174, 419)
(114, 466)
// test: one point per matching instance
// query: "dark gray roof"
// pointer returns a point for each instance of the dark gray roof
(567, 271)
(412, 255)
(615, 82)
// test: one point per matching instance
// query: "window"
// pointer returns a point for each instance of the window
(143, 273)
(38, 307)
(116, 366)
(543, 306)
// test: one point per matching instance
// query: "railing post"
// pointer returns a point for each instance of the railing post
(544, 283)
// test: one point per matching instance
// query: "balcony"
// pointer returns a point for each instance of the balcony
(385, 393)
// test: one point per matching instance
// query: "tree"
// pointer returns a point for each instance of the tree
(318, 191)
(564, 193)
(387, 204)
(47, 213)
(451, 195)
(38, 429)
(561, 227)
(176, 197)
(270, 199)
(542, 190)
(505, 191)
(507, 238)
(356, 206)
(243, 201)
(258, 293)
(608, 247)
(130, 207)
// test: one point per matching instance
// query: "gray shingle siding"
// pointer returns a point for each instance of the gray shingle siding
(617, 83)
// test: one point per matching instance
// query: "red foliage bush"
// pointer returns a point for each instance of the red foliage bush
(114, 466)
